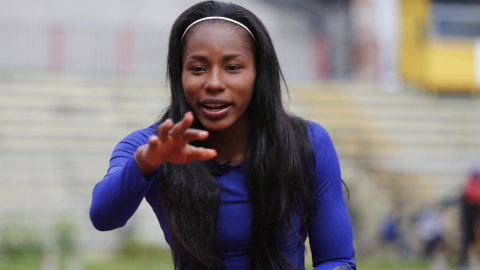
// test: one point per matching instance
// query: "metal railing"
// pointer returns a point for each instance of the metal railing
(83, 50)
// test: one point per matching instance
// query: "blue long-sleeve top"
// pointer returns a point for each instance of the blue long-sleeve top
(117, 196)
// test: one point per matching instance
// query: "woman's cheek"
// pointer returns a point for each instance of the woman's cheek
(191, 85)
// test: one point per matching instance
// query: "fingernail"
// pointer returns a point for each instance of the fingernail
(188, 113)
(204, 133)
(215, 151)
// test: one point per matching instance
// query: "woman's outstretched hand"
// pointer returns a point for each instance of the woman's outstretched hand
(171, 145)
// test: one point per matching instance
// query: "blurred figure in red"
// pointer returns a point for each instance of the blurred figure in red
(470, 211)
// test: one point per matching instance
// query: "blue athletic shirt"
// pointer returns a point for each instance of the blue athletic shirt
(117, 196)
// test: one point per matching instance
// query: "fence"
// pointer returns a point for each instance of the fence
(83, 50)
(128, 51)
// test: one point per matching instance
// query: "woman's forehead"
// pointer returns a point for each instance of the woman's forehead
(218, 35)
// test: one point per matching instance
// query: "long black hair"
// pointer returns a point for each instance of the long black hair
(278, 168)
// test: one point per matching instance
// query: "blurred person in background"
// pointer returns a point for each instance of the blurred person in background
(235, 182)
(393, 236)
(430, 230)
(470, 211)
(390, 228)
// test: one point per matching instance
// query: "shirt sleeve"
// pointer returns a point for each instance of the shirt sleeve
(330, 235)
(117, 196)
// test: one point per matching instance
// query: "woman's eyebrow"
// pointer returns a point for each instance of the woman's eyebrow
(224, 58)
(198, 57)
(231, 56)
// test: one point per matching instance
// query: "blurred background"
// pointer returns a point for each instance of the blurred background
(396, 83)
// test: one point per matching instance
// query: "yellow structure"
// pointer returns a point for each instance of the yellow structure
(436, 62)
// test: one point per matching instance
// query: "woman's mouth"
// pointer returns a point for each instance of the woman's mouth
(215, 108)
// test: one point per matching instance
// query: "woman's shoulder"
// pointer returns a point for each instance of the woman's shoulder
(315, 128)
(317, 133)
(139, 137)
(144, 132)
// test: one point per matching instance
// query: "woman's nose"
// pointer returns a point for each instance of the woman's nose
(215, 81)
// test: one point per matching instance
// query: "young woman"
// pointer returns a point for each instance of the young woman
(235, 182)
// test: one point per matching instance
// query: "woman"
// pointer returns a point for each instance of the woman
(235, 182)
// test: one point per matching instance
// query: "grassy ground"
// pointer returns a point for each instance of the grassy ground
(129, 264)
(20, 263)
(381, 264)
(163, 261)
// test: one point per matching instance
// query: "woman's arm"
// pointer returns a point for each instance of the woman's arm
(136, 160)
(331, 233)
(117, 196)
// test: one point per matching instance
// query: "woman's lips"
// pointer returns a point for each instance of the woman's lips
(215, 108)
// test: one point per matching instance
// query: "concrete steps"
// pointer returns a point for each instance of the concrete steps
(398, 151)
(56, 138)
(434, 140)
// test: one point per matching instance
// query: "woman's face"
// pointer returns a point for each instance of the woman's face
(218, 75)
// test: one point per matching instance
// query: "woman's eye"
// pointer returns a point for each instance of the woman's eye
(197, 69)
(233, 68)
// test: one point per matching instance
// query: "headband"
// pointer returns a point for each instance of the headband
(217, 18)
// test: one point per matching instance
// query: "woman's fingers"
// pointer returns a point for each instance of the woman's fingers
(172, 142)
(153, 142)
(194, 135)
(202, 154)
(182, 126)
(164, 128)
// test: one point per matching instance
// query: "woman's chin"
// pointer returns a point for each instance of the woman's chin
(228, 123)
(215, 127)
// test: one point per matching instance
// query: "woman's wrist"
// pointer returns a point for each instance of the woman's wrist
(146, 169)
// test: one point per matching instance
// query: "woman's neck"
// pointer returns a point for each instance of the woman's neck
(230, 145)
